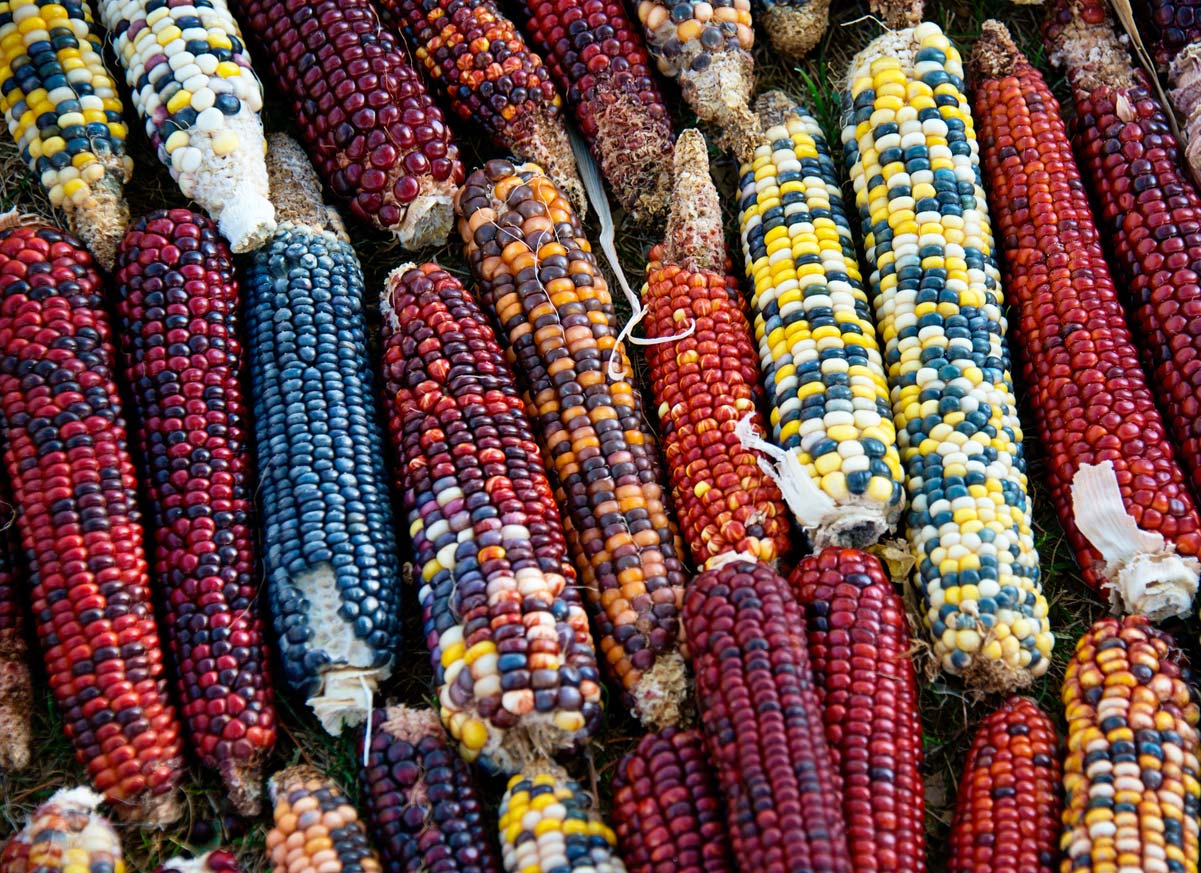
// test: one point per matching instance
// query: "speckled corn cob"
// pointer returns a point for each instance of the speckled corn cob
(512, 654)
(1089, 396)
(65, 835)
(548, 825)
(1130, 779)
(194, 89)
(219, 861)
(64, 112)
(706, 46)
(597, 55)
(826, 387)
(763, 721)
(16, 684)
(316, 829)
(1008, 809)
(420, 798)
(859, 646)
(329, 544)
(707, 383)
(667, 809)
(178, 302)
(77, 514)
(793, 27)
(370, 127)
(540, 284)
(910, 145)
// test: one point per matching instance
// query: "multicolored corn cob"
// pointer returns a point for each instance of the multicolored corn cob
(420, 797)
(316, 829)
(369, 124)
(540, 283)
(16, 683)
(548, 825)
(219, 861)
(329, 544)
(74, 489)
(178, 302)
(911, 150)
(826, 388)
(1008, 810)
(478, 59)
(65, 835)
(1171, 27)
(667, 809)
(194, 89)
(513, 657)
(707, 382)
(1149, 210)
(1131, 775)
(597, 55)
(706, 46)
(64, 112)
(763, 721)
(859, 647)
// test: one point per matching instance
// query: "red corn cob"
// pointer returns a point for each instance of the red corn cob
(178, 302)
(212, 862)
(1091, 400)
(16, 685)
(762, 720)
(73, 484)
(370, 127)
(707, 382)
(599, 59)
(64, 835)
(667, 810)
(858, 635)
(1171, 26)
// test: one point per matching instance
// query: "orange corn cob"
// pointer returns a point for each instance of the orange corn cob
(316, 829)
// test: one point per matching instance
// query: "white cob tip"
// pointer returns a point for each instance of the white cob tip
(247, 221)
(344, 699)
(80, 797)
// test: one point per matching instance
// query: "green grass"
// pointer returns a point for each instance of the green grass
(948, 711)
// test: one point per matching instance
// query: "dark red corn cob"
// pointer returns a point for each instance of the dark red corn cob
(219, 861)
(73, 484)
(370, 127)
(420, 798)
(858, 635)
(667, 808)
(16, 684)
(178, 302)
(1007, 812)
(763, 722)
(1170, 26)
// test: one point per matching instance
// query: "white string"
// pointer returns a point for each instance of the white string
(367, 729)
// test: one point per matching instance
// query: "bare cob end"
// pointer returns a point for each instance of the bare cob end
(296, 189)
(898, 13)
(794, 29)
(695, 239)
(101, 219)
(632, 151)
(543, 140)
(1085, 43)
(230, 183)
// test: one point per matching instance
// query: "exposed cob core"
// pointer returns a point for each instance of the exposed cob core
(911, 150)
(1121, 496)
(836, 454)
(316, 829)
(793, 27)
(64, 112)
(16, 683)
(219, 861)
(65, 835)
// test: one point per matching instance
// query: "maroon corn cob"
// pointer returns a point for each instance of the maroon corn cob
(858, 635)
(219, 861)
(1169, 26)
(667, 809)
(178, 300)
(370, 126)
(16, 684)
(762, 720)
(73, 484)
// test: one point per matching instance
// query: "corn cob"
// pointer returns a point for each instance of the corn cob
(599, 59)
(16, 684)
(706, 46)
(1185, 78)
(194, 89)
(913, 157)
(512, 654)
(420, 797)
(64, 112)
(826, 386)
(65, 835)
(329, 546)
(858, 636)
(793, 27)
(667, 810)
(178, 299)
(1008, 809)
(1171, 27)
(706, 383)
(1131, 774)
(219, 861)
(763, 722)
(1091, 399)
(73, 485)
(369, 124)
(541, 285)
(316, 829)
(548, 825)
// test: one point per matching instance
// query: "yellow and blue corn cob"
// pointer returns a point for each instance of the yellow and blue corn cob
(913, 158)
(64, 112)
